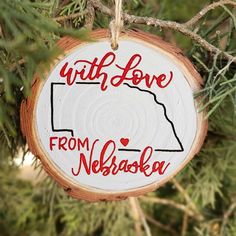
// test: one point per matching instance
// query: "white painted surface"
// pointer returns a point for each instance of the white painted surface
(119, 113)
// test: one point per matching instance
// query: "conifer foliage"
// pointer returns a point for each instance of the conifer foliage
(201, 200)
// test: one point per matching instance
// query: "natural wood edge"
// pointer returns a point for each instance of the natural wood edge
(29, 130)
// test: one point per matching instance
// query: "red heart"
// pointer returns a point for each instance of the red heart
(124, 141)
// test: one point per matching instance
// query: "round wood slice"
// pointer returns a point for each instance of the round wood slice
(107, 124)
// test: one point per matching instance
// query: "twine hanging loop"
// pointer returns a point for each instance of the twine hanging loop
(116, 25)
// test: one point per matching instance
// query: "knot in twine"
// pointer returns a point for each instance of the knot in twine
(116, 25)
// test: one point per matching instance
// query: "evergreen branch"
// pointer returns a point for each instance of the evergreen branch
(1, 34)
(13, 66)
(173, 204)
(217, 136)
(22, 208)
(90, 15)
(135, 215)
(143, 219)
(70, 17)
(6, 136)
(184, 225)
(102, 8)
(226, 67)
(179, 27)
(139, 214)
(187, 197)
(226, 217)
(205, 10)
(166, 228)
(61, 5)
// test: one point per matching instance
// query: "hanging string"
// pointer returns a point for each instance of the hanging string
(116, 24)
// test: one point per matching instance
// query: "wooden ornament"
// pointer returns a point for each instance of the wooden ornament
(110, 124)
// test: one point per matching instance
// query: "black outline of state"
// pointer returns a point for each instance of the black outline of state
(52, 111)
(120, 149)
(167, 118)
